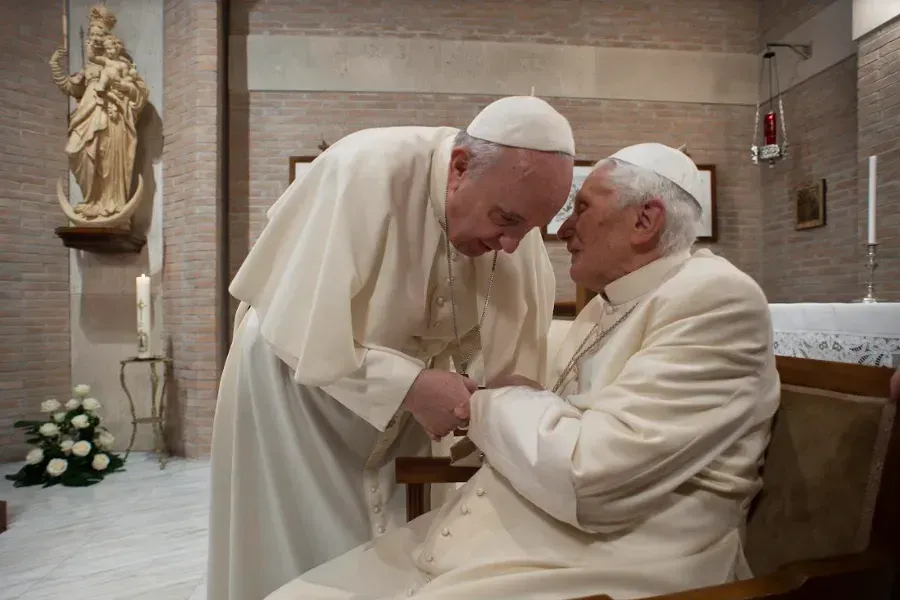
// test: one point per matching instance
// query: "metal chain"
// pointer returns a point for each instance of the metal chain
(784, 141)
(581, 352)
(464, 362)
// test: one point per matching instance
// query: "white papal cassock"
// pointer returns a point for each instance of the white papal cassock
(345, 297)
(635, 481)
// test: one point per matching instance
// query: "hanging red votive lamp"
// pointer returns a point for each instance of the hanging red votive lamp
(770, 131)
(770, 149)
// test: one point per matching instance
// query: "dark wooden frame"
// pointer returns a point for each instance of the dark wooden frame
(713, 203)
(553, 236)
(871, 574)
(293, 160)
(820, 190)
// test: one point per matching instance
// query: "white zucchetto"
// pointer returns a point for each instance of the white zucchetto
(674, 165)
(524, 122)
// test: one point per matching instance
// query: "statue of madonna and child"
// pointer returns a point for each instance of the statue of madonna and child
(102, 133)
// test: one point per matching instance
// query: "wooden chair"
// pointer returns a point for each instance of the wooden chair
(827, 523)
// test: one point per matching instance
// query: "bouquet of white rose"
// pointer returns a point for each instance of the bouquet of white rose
(71, 448)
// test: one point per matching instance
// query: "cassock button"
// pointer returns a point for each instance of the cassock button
(445, 532)
(377, 510)
(380, 529)
(439, 301)
(373, 489)
(479, 492)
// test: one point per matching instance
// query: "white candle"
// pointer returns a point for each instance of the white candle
(143, 316)
(873, 180)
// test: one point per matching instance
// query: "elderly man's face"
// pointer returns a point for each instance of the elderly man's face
(605, 239)
(495, 209)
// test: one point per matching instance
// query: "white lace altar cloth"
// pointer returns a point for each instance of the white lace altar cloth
(865, 334)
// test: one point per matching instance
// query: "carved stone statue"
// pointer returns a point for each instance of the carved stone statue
(102, 132)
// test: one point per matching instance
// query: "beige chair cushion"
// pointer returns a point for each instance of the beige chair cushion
(820, 478)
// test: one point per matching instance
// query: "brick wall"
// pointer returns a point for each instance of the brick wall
(268, 127)
(34, 269)
(714, 25)
(879, 133)
(191, 216)
(820, 264)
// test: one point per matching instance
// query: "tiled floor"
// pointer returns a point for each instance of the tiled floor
(140, 534)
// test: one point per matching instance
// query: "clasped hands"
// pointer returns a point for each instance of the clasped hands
(439, 400)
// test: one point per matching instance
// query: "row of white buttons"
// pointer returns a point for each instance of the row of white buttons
(464, 509)
(376, 509)
(445, 532)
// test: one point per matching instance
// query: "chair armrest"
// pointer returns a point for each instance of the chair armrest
(430, 470)
(418, 473)
(865, 575)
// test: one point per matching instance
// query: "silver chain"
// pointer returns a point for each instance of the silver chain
(464, 362)
(784, 141)
(581, 352)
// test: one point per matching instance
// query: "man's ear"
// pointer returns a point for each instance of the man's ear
(649, 220)
(459, 162)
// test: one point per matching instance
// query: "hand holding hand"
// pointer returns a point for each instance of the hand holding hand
(514, 380)
(439, 401)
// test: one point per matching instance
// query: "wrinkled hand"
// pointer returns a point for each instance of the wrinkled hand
(439, 401)
(514, 380)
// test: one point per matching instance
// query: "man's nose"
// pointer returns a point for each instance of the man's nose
(567, 228)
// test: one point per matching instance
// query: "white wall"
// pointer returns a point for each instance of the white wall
(871, 14)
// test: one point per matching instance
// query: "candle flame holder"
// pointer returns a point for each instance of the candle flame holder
(871, 265)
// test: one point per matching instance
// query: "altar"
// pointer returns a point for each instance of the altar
(865, 334)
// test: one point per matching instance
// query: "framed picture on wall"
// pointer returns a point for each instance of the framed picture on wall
(708, 228)
(582, 169)
(299, 166)
(809, 206)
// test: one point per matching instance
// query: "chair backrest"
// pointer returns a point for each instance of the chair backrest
(831, 472)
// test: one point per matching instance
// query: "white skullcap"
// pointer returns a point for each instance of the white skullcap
(674, 165)
(524, 122)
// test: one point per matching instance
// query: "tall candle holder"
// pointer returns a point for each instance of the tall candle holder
(157, 416)
(871, 265)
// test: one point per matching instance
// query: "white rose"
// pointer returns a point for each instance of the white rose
(73, 403)
(104, 439)
(35, 456)
(81, 421)
(91, 404)
(59, 417)
(51, 405)
(66, 445)
(49, 430)
(82, 448)
(82, 390)
(100, 462)
(57, 467)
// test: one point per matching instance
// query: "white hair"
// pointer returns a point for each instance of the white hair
(483, 154)
(636, 185)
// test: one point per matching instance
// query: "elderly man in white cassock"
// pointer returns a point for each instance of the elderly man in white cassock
(402, 253)
(632, 472)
